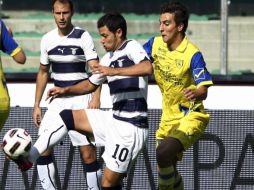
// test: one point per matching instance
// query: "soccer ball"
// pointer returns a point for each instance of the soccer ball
(17, 142)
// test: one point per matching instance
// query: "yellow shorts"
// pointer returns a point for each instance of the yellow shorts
(4, 104)
(187, 130)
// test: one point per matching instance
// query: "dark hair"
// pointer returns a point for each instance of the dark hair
(179, 10)
(63, 2)
(113, 21)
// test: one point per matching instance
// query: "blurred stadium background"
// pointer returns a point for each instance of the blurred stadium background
(223, 159)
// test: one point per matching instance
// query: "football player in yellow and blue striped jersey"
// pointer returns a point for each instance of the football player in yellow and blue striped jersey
(181, 74)
(10, 47)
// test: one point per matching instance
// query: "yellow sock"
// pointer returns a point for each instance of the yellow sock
(166, 178)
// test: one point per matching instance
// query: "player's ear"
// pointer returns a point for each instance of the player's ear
(119, 32)
(180, 27)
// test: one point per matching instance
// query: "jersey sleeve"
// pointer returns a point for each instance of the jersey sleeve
(88, 47)
(148, 46)
(44, 54)
(8, 45)
(98, 79)
(136, 52)
(199, 71)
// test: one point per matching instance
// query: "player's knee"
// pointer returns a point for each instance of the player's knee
(67, 118)
(164, 156)
(48, 152)
(111, 179)
(109, 182)
(161, 158)
(88, 154)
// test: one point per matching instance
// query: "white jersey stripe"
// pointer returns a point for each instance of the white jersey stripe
(63, 52)
(69, 76)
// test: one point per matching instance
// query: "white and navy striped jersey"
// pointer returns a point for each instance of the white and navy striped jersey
(128, 93)
(68, 55)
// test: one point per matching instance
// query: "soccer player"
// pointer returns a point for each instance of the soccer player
(69, 51)
(180, 71)
(122, 130)
(9, 46)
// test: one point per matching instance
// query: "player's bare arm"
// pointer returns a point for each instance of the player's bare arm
(95, 102)
(20, 57)
(84, 87)
(93, 63)
(142, 69)
(196, 95)
(41, 82)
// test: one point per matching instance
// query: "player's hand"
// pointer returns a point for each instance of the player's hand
(104, 71)
(37, 116)
(94, 103)
(189, 94)
(55, 92)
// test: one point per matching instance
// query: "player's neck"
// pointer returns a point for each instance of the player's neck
(176, 42)
(120, 43)
(65, 31)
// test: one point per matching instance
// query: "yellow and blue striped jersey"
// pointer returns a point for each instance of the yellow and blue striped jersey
(175, 70)
(8, 45)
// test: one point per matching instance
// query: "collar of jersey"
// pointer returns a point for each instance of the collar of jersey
(183, 45)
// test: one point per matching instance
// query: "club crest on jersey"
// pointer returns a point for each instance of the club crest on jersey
(73, 51)
(120, 62)
(179, 63)
(199, 74)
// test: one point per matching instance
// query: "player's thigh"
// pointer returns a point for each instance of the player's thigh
(100, 121)
(191, 128)
(81, 121)
(51, 120)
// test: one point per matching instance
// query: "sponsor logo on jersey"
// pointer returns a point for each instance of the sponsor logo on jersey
(61, 50)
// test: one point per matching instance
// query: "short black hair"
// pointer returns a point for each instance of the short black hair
(113, 21)
(64, 1)
(179, 10)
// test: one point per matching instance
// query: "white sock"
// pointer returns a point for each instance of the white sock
(46, 172)
(93, 175)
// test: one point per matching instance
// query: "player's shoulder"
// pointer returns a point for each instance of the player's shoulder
(130, 44)
(77, 32)
(191, 46)
(156, 42)
(50, 34)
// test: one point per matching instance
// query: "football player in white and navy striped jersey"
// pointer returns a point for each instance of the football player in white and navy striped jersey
(124, 129)
(69, 51)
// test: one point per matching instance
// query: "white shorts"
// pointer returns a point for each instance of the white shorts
(51, 116)
(122, 140)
